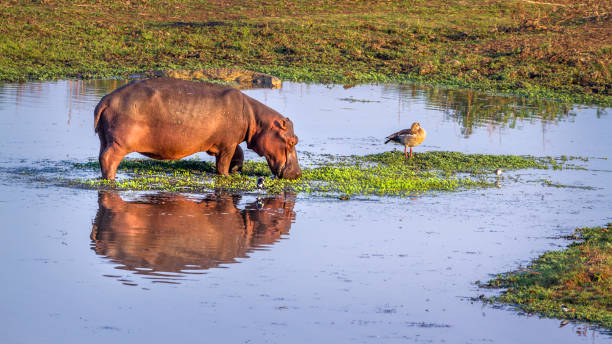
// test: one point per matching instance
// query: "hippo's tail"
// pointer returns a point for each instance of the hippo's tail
(102, 105)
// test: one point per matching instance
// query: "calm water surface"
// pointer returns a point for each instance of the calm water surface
(86, 266)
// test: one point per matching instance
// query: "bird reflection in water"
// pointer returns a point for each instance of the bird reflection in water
(165, 237)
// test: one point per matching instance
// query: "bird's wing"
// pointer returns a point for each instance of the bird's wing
(401, 132)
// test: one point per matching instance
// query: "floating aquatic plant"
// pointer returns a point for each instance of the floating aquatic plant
(384, 174)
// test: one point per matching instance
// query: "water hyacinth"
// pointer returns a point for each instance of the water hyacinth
(385, 174)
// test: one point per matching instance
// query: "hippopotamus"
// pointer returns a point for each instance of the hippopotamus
(169, 119)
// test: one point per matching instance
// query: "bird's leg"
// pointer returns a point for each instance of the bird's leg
(406, 152)
(411, 152)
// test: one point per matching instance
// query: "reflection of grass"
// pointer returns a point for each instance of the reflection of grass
(378, 174)
(572, 284)
(473, 109)
(523, 47)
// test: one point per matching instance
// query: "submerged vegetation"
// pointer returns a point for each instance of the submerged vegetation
(557, 48)
(575, 283)
(377, 174)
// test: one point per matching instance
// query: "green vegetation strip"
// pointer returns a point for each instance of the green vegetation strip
(575, 283)
(529, 48)
(385, 174)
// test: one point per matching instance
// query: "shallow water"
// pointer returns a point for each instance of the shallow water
(87, 266)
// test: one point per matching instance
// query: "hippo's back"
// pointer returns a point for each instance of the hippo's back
(168, 94)
(170, 101)
(169, 118)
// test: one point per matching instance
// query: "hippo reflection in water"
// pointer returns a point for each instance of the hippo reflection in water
(172, 233)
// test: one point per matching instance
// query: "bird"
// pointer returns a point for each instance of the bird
(260, 184)
(408, 137)
(498, 172)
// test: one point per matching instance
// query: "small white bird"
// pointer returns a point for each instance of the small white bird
(260, 184)
(498, 172)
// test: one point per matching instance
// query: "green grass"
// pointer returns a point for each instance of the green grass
(457, 162)
(385, 174)
(560, 52)
(575, 283)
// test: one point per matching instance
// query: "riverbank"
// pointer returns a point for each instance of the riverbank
(557, 50)
(570, 284)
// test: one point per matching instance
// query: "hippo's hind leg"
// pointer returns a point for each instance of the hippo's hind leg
(237, 160)
(224, 159)
(109, 159)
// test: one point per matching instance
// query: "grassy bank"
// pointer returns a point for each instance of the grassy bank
(575, 283)
(559, 49)
(385, 174)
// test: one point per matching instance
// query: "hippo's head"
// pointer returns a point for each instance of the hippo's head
(277, 143)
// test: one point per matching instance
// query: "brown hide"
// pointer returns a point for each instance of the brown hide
(172, 232)
(170, 119)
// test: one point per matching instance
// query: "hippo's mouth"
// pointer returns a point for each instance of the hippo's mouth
(284, 169)
(279, 171)
(276, 171)
(289, 171)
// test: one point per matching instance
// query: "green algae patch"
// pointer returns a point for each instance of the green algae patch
(575, 283)
(385, 174)
(456, 162)
(149, 165)
(466, 163)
